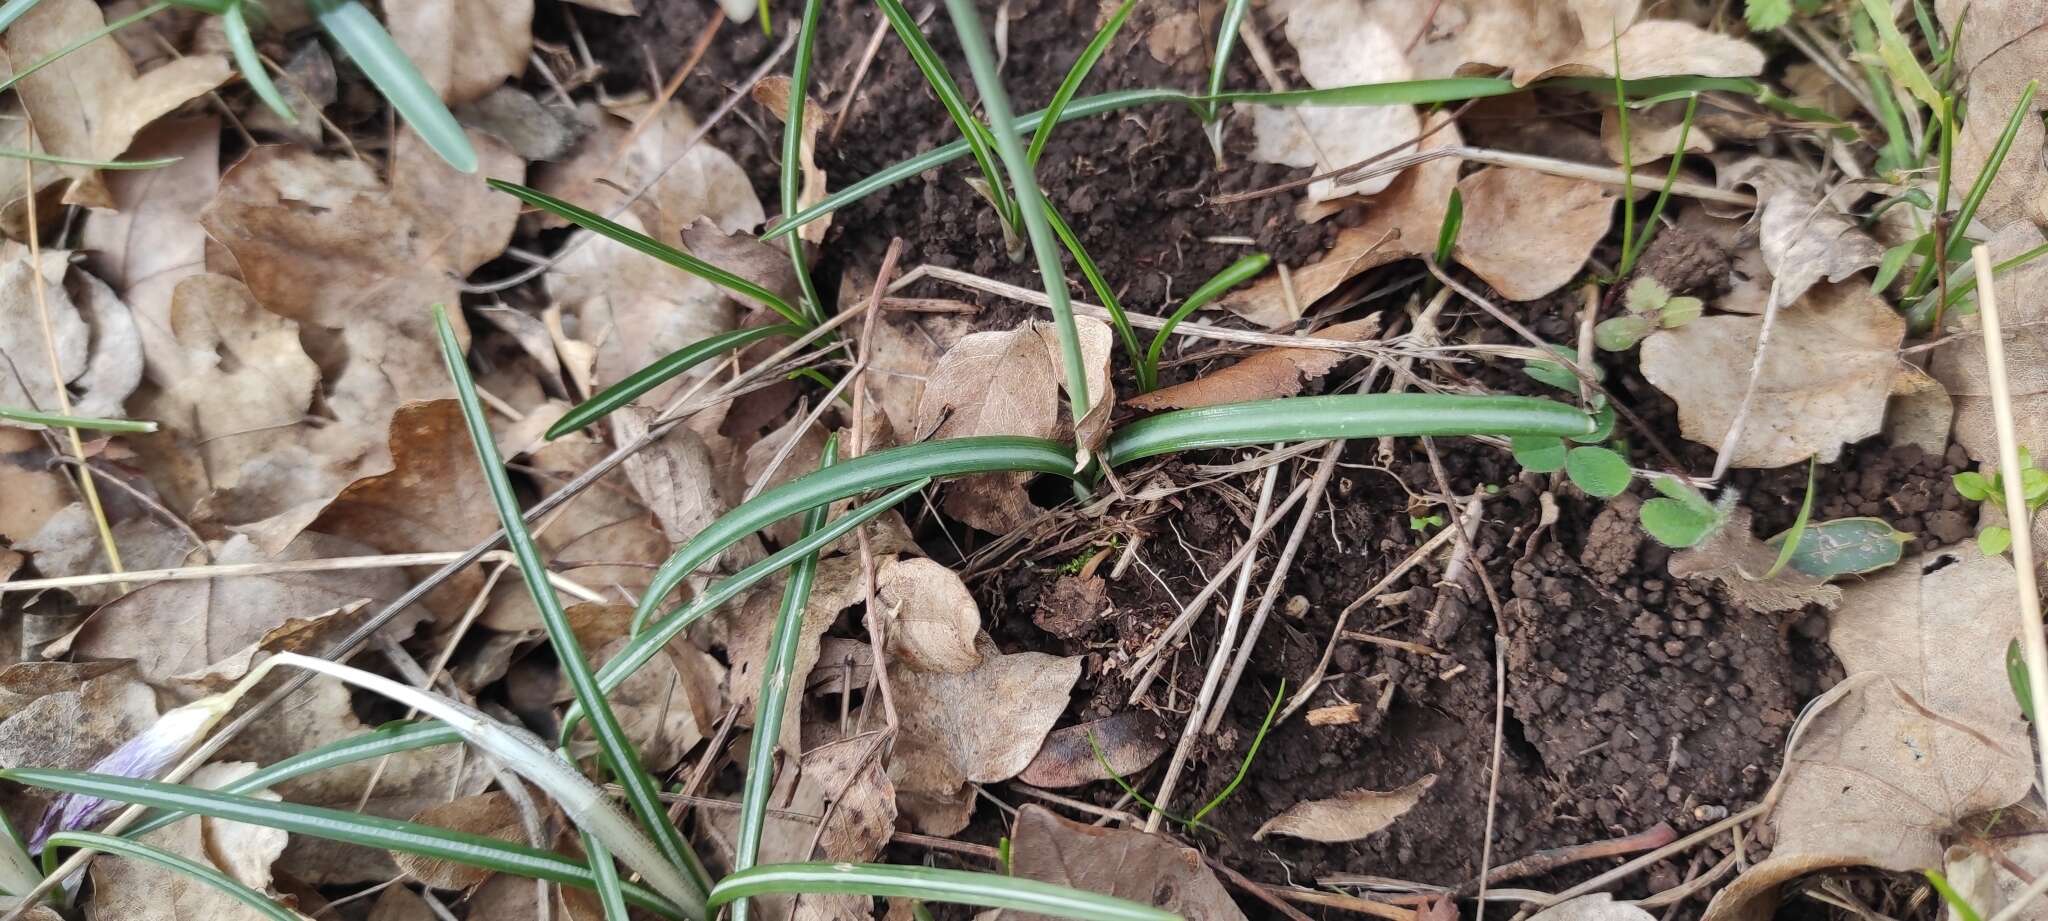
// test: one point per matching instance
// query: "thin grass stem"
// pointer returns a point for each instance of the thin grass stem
(1235, 274)
(90, 37)
(792, 151)
(235, 22)
(1226, 42)
(62, 421)
(1076, 75)
(933, 885)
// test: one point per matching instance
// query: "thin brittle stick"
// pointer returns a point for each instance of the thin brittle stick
(1686, 843)
(2035, 646)
(860, 72)
(35, 274)
(233, 570)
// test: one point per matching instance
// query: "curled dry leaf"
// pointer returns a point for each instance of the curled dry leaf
(69, 545)
(1337, 46)
(90, 104)
(1737, 560)
(1999, 47)
(1805, 240)
(979, 726)
(932, 618)
(773, 93)
(1399, 223)
(1148, 869)
(465, 48)
(1832, 361)
(1923, 734)
(1528, 233)
(134, 890)
(1959, 361)
(1129, 742)
(1981, 872)
(1348, 816)
(706, 182)
(1268, 373)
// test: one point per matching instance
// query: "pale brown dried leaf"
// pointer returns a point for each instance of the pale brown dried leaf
(1599, 906)
(464, 48)
(2000, 47)
(491, 815)
(669, 704)
(151, 239)
(773, 94)
(97, 347)
(979, 726)
(1527, 233)
(932, 618)
(1125, 863)
(1266, 374)
(1337, 45)
(134, 890)
(1129, 742)
(1348, 816)
(1920, 412)
(1805, 240)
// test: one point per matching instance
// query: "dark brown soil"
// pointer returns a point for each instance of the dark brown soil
(1630, 699)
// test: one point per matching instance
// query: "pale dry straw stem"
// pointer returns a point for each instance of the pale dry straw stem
(1679, 846)
(36, 284)
(1566, 168)
(562, 583)
(671, 417)
(1225, 641)
(877, 629)
(2036, 642)
(1349, 903)
(860, 73)
(1315, 678)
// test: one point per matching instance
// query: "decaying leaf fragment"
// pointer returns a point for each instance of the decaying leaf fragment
(1740, 562)
(1266, 374)
(1348, 816)
(1129, 742)
(1528, 233)
(464, 48)
(1127, 864)
(945, 741)
(1337, 46)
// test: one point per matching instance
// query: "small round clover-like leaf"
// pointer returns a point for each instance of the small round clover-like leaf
(1973, 486)
(1679, 311)
(1598, 471)
(1619, 334)
(1557, 375)
(1677, 524)
(1538, 453)
(1994, 540)
(1845, 547)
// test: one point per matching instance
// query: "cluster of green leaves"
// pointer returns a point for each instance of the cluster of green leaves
(1649, 307)
(1977, 487)
(1767, 15)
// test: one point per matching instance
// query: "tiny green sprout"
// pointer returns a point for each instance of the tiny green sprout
(1650, 307)
(1977, 487)
(1765, 15)
(1963, 910)
(1416, 523)
(1680, 517)
(2016, 674)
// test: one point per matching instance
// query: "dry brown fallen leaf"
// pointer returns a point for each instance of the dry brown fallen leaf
(1652, 134)
(1266, 374)
(1599, 906)
(29, 479)
(1923, 733)
(750, 628)
(1999, 48)
(1527, 233)
(90, 104)
(1803, 237)
(1534, 39)
(1736, 559)
(1833, 359)
(125, 889)
(465, 48)
(932, 618)
(151, 239)
(1008, 382)
(773, 93)
(843, 778)
(706, 182)
(669, 704)
(1959, 362)
(1125, 863)
(491, 815)
(1348, 816)
(980, 726)
(1337, 46)
(1130, 741)
(1920, 412)
(95, 340)
(69, 544)
(66, 715)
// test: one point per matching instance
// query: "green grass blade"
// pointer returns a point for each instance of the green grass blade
(619, 233)
(13, 10)
(641, 792)
(135, 850)
(1076, 75)
(604, 875)
(1342, 416)
(960, 887)
(941, 82)
(40, 157)
(61, 421)
(1630, 256)
(1394, 93)
(981, 60)
(1098, 284)
(360, 35)
(236, 24)
(776, 677)
(1923, 279)
(792, 150)
(1797, 533)
(644, 645)
(90, 37)
(876, 470)
(1226, 41)
(1447, 232)
(660, 371)
(335, 825)
(18, 873)
(1244, 767)
(1234, 274)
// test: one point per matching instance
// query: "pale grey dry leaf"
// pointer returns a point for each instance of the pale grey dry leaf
(1832, 361)
(1652, 134)
(800, 459)
(751, 629)
(309, 85)
(844, 777)
(152, 239)
(681, 480)
(535, 130)
(1805, 240)
(1337, 46)
(1528, 233)
(1266, 374)
(706, 183)
(1399, 223)
(1125, 863)
(1534, 39)
(604, 523)
(2000, 47)
(1922, 734)
(1599, 906)
(739, 252)
(773, 94)
(90, 104)
(1737, 560)
(1129, 742)
(98, 349)
(125, 889)
(1959, 361)
(931, 616)
(69, 544)
(79, 717)
(1348, 816)
(31, 480)
(1654, 48)
(980, 726)
(1094, 338)
(632, 310)
(464, 48)
(1920, 412)
(305, 635)
(1988, 884)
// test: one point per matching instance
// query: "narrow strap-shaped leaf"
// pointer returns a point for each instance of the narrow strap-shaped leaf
(13, 10)
(1072, 83)
(661, 371)
(641, 793)
(776, 678)
(360, 35)
(243, 45)
(1234, 274)
(627, 236)
(61, 421)
(1098, 284)
(1226, 40)
(961, 887)
(136, 850)
(1394, 93)
(336, 825)
(1342, 416)
(792, 149)
(40, 157)
(877, 470)
(941, 82)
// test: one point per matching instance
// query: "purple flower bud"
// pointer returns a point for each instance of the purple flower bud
(146, 756)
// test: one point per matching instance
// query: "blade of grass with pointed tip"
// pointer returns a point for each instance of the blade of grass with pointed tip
(1076, 75)
(59, 420)
(660, 371)
(1797, 533)
(1234, 274)
(190, 869)
(619, 233)
(1975, 199)
(90, 37)
(641, 793)
(1226, 41)
(960, 887)
(352, 26)
(936, 76)
(243, 45)
(335, 825)
(792, 182)
(775, 680)
(40, 157)
(1098, 284)
(1650, 224)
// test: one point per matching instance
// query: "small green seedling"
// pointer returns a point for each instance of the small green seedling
(1963, 910)
(1845, 547)
(1601, 472)
(1650, 307)
(1424, 523)
(2016, 674)
(1680, 517)
(1977, 487)
(1447, 233)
